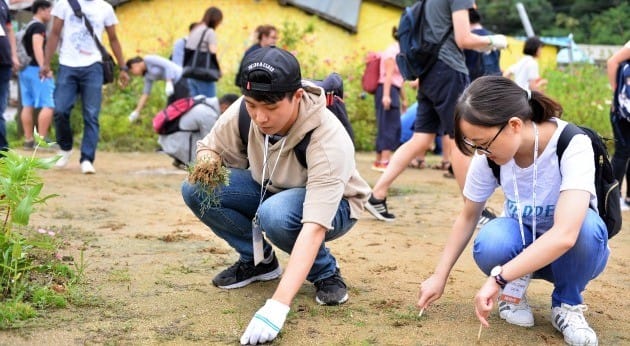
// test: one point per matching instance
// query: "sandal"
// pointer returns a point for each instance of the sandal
(417, 164)
(442, 166)
(449, 174)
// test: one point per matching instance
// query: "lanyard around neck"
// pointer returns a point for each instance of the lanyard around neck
(265, 182)
(519, 210)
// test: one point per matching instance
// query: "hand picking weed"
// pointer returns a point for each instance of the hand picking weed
(210, 174)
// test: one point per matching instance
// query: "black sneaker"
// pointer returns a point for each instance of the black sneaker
(486, 216)
(378, 208)
(241, 274)
(179, 164)
(331, 290)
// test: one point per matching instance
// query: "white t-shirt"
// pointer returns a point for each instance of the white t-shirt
(576, 172)
(525, 70)
(78, 48)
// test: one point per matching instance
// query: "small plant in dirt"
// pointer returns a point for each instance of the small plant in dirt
(209, 174)
(31, 276)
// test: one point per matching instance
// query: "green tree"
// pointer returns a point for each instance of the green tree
(611, 26)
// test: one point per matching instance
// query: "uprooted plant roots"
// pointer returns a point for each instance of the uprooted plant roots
(208, 174)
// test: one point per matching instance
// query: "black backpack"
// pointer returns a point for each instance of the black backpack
(417, 56)
(606, 186)
(333, 87)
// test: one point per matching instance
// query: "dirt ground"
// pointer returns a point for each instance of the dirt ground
(149, 264)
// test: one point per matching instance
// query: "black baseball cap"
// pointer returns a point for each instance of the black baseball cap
(281, 66)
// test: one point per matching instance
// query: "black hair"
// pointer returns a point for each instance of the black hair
(228, 99)
(263, 96)
(133, 60)
(395, 33)
(213, 17)
(531, 46)
(192, 26)
(264, 30)
(474, 16)
(492, 100)
(40, 4)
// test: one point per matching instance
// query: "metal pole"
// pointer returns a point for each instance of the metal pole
(525, 19)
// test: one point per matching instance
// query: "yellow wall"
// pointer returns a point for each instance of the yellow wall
(149, 27)
(509, 56)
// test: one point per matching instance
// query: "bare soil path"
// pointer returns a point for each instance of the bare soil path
(149, 263)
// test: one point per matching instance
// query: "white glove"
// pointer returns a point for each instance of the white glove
(266, 323)
(133, 116)
(169, 90)
(498, 41)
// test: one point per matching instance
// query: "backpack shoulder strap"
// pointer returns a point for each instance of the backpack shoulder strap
(300, 148)
(496, 169)
(244, 122)
(565, 137)
(76, 8)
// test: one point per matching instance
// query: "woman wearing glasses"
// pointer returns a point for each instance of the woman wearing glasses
(565, 243)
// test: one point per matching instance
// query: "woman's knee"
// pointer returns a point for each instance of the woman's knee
(497, 242)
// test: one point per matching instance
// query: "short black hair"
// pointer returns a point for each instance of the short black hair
(133, 60)
(531, 46)
(473, 16)
(228, 99)
(40, 4)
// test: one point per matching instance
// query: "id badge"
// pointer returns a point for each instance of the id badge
(514, 290)
(257, 240)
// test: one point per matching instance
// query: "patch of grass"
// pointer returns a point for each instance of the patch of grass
(119, 275)
(12, 312)
(44, 297)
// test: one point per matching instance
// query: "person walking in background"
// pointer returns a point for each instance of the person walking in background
(566, 243)
(299, 208)
(620, 125)
(437, 95)
(179, 47)
(266, 35)
(80, 71)
(204, 36)
(36, 92)
(389, 101)
(8, 60)
(481, 63)
(526, 72)
(154, 68)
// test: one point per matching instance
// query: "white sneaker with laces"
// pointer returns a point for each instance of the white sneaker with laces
(65, 157)
(519, 314)
(570, 321)
(87, 168)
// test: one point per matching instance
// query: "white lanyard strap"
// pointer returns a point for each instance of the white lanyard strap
(519, 211)
(265, 183)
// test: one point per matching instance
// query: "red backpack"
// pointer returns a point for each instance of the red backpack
(371, 74)
(166, 121)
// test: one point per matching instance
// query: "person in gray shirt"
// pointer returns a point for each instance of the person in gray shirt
(154, 68)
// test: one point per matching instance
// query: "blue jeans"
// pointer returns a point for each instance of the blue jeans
(5, 78)
(88, 81)
(280, 217)
(500, 240)
(200, 87)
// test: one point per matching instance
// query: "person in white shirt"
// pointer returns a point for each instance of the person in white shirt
(80, 72)
(566, 243)
(525, 72)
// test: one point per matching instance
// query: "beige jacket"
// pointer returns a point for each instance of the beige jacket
(331, 174)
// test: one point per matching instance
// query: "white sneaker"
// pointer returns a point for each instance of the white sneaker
(519, 314)
(65, 157)
(624, 206)
(570, 321)
(87, 168)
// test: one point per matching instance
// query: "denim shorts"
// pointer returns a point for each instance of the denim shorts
(437, 97)
(35, 92)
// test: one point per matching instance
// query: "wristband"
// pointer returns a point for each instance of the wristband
(124, 68)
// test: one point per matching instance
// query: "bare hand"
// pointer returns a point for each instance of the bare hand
(430, 290)
(123, 79)
(484, 300)
(45, 72)
(386, 101)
